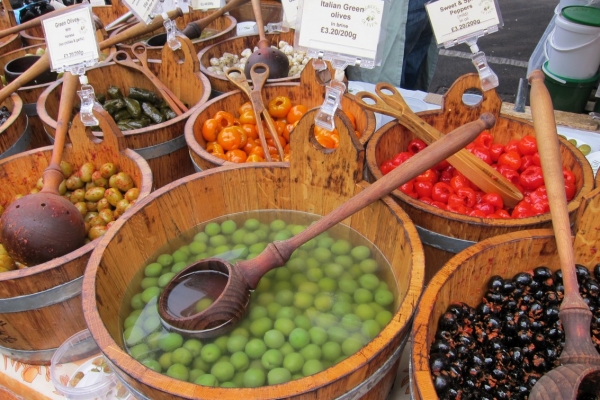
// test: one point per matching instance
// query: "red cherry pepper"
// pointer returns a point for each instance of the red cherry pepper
(386, 167)
(536, 159)
(512, 145)
(532, 178)
(426, 200)
(441, 191)
(408, 188)
(522, 210)
(442, 166)
(416, 145)
(483, 153)
(401, 157)
(527, 145)
(467, 195)
(423, 189)
(484, 140)
(568, 176)
(457, 208)
(496, 150)
(511, 159)
(538, 195)
(570, 190)
(459, 181)
(510, 174)
(503, 214)
(440, 205)
(526, 161)
(445, 177)
(428, 176)
(493, 199)
(478, 213)
(485, 208)
(541, 207)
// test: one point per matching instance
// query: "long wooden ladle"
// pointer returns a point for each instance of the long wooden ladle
(44, 62)
(39, 227)
(389, 101)
(229, 306)
(259, 73)
(579, 357)
(194, 29)
(279, 65)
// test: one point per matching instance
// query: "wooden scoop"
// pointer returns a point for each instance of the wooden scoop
(279, 65)
(259, 74)
(390, 102)
(194, 29)
(229, 305)
(39, 227)
(579, 356)
(44, 62)
(122, 58)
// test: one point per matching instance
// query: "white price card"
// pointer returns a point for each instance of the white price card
(71, 38)
(142, 9)
(349, 27)
(455, 19)
(290, 11)
(207, 4)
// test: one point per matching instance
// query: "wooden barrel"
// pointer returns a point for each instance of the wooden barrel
(446, 233)
(222, 28)
(307, 92)
(40, 306)
(271, 11)
(15, 133)
(30, 96)
(10, 43)
(465, 278)
(315, 182)
(219, 83)
(162, 145)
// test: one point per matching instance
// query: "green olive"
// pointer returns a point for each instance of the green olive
(86, 171)
(66, 168)
(107, 170)
(74, 182)
(132, 194)
(123, 182)
(81, 207)
(95, 194)
(96, 231)
(113, 196)
(99, 180)
(77, 196)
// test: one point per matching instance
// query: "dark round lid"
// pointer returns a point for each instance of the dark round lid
(583, 15)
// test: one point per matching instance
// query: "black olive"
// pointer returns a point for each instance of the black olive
(488, 362)
(510, 328)
(492, 324)
(466, 340)
(558, 276)
(518, 292)
(539, 340)
(528, 350)
(440, 346)
(495, 283)
(462, 351)
(498, 373)
(531, 380)
(495, 344)
(455, 371)
(591, 287)
(502, 392)
(495, 298)
(502, 357)
(456, 309)
(476, 361)
(522, 279)
(554, 333)
(445, 335)
(560, 289)
(448, 322)
(539, 361)
(582, 272)
(597, 271)
(542, 273)
(527, 299)
(537, 325)
(522, 391)
(551, 313)
(551, 298)
(534, 286)
(470, 383)
(483, 309)
(507, 286)
(516, 356)
(474, 372)
(441, 383)
(437, 363)
(524, 336)
(535, 310)
(539, 294)
(524, 323)
(487, 388)
(511, 305)
(550, 353)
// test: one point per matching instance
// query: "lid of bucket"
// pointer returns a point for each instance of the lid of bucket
(582, 15)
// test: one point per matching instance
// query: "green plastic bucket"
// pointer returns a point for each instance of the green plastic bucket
(568, 94)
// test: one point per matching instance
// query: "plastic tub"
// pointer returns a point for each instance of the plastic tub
(568, 94)
(80, 372)
(575, 37)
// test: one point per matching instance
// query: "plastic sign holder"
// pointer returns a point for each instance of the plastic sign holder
(344, 33)
(464, 21)
(290, 12)
(67, 34)
(205, 5)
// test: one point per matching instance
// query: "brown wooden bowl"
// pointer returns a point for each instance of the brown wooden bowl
(271, 12)
(446, 233)
(162, 145)
(184, 204)
(223, 28)
(41, 305)
(465, 278)
(307, 92)
(10, 43)
(219, 83)
(15, 133)
(109, 13)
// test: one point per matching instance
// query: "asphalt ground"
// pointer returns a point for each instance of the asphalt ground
(508, 50)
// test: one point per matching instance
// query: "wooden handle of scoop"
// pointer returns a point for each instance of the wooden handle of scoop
(53, 175)
(194, 29)
(263, 42)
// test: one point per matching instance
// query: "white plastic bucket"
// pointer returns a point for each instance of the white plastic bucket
(574, 50)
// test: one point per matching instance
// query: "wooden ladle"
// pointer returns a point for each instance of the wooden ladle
(194, 29)
(229, 305)
(44, 62)
(259, 74)
(39, 227)
(579, 356)
(390, 102)
(279, 65)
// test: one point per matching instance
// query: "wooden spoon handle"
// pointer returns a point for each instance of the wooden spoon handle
(262, 42)
(52, 175)
(194, 29)
(423, 160)
(544, 124)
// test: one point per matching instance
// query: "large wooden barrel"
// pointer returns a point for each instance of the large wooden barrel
(465, 278)
(162, 145)
(15, 133)
(219, 83)
(315, 182)
(446, 233)
(40, 306)
(30, 95)
(307, 92)
(220, 29)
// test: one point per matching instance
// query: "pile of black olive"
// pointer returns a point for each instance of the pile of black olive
(5, 114)
(139, 109)
(501, 348)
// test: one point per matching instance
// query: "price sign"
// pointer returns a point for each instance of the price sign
(142, 8)
(349, 27)
(71, 38)
(207, 4)
(453, 20)
(290, 11)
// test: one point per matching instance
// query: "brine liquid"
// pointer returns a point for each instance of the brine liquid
(194, 287)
